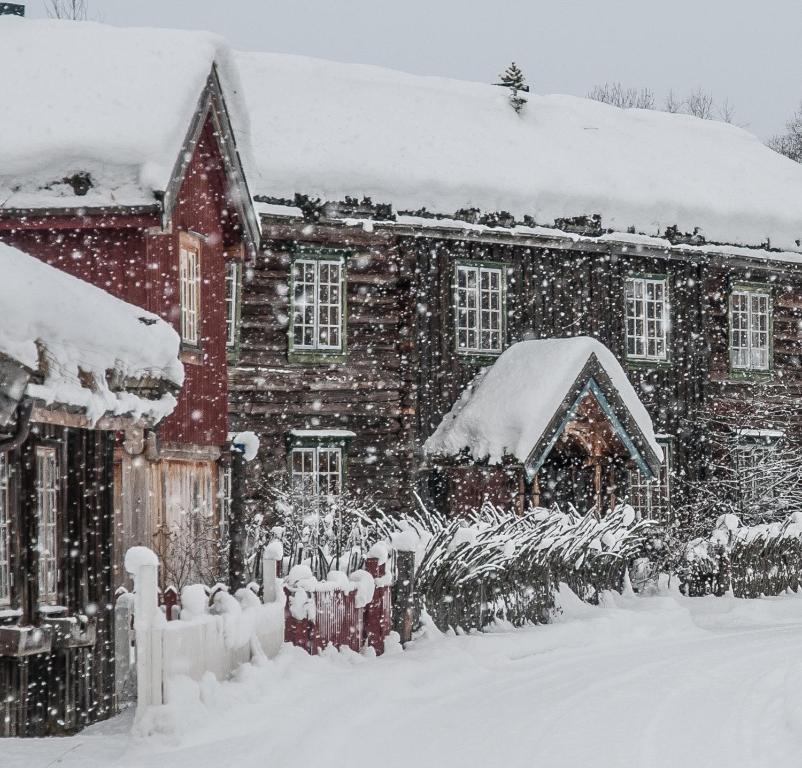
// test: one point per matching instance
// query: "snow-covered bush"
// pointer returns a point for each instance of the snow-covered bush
(751, 560)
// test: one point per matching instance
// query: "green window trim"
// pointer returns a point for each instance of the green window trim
(313, 355)
(643, 361)
(738, 373)
(317, 441)
(480, 356)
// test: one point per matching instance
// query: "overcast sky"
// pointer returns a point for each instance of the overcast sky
(746, 51)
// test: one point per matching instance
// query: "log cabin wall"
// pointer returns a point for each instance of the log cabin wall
(67, 688)
(369, 392)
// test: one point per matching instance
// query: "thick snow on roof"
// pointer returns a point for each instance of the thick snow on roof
(509, 405)
(331, 130)
(91, 98)
(73, 334)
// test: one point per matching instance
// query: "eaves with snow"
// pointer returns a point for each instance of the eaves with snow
(520, 406)
(96, 116)
(83, 348)
(332, 130)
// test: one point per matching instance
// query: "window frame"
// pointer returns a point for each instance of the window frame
(751, 290)
(640, 486)
(479, 267)
(752, 446)
(645, 279)
(6, 532)
(47, 596)
(315, 450)
(317, 353)
(233, 301)
(190, 286)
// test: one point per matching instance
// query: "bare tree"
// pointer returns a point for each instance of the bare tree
(673, 103)
(700, 104)
(790, 143)
(726, 112)
(625, 98)
(76, 10)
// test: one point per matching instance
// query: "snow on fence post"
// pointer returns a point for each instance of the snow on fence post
(143, 564)
(378, 610)
(124, 670)
(272, 556)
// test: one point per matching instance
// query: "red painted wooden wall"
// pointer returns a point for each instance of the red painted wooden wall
(130, 258)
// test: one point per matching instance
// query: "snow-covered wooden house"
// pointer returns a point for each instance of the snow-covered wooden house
(119, 164)
(415, 228)
(78, 367)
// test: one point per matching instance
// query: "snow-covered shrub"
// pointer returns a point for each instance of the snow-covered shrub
(754, 560)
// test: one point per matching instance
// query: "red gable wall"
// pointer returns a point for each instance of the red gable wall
(130, 258)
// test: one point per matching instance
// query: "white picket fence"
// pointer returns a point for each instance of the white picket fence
(210, 643)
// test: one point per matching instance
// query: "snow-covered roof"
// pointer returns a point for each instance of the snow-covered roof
(86, 98)
(508, 408)
(333, 130)
(83, 345)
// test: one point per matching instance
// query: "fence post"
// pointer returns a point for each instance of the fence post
(148, 638)
(404, 595)
(269, 576)
(123, 670)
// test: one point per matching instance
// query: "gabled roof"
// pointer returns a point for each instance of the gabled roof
(114, 107)
(519, 406)
(332, 130)
(83, 347)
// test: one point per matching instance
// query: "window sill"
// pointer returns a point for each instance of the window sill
(641, 363)
(191, 355)
(747, 374)
(478, 358)
(317, 358)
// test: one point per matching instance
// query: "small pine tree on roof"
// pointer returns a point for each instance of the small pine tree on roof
(513, 79)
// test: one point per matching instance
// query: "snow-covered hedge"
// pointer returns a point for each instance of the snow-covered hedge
(496, 565)
(750, 560)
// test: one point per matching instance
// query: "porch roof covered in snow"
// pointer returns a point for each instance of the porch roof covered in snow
(96, 117)
(332, 130)
(522, 404)
(66, 342)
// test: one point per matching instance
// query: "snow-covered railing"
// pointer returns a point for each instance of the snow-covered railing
(213, 631)
(750, 561)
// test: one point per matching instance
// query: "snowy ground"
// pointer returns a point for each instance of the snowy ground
(658, 681)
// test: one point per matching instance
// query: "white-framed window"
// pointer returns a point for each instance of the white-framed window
(479, 308)
(753, 460)
(317, 470)
(651, 498)
(48, 481)
(189, 287)
(232, 302)
(5, 534)
(647, 318)
(317, 304)
(225, 501)
(750, 320)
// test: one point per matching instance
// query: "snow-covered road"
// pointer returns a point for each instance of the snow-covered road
(659, 681)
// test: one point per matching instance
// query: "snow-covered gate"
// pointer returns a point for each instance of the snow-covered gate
(197, 642)
(343, 615)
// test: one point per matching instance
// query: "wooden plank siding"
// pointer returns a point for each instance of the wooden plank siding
(63, 690)
(406, 331)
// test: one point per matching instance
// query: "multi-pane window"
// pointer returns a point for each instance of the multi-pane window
(225, 501)
(48, 478)
(5, 534)
(232, 299)
(317, 470)
(753, 460)
(647, 318)
(651, 498)
(479, 308)
(317, 304)
(750, 312)
(189, 287)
